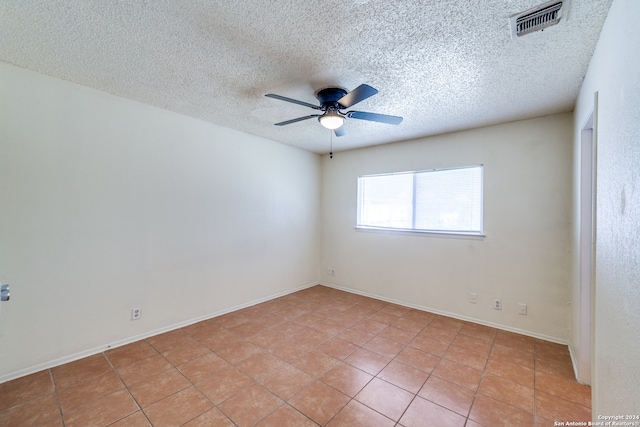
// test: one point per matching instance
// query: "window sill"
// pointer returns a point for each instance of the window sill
(445, 234)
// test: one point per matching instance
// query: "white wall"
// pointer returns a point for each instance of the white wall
(614, 72)
(106, 204)
(524, 257)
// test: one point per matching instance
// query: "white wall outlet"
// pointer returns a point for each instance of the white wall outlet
(136, 313)
(522, 309)
(331, 271)
(473, 298)
(497, 304)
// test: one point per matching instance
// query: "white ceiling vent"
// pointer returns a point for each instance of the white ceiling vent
(538, 18)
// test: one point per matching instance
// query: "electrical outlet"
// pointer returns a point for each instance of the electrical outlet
(331, 271)
(473, 298)
(497, 304)
(522, 309)
(136, 313)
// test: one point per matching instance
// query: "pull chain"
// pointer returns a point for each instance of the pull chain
(331, 144)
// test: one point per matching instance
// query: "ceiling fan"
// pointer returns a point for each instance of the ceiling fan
(332, 101)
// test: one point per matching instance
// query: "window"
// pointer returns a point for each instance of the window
(444, 201)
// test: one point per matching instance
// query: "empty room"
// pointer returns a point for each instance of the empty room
(355, 213)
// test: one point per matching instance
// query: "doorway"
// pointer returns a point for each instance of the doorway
(587, 242)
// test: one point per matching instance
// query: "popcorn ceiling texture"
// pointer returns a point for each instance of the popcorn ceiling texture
(442, 65)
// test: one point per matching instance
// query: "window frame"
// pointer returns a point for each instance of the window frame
(414, 231)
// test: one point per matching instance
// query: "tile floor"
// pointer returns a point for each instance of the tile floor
(316, 357)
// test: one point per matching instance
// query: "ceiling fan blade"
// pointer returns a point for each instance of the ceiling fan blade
(295, 101)
(340, 131)
(360, 93)
(299, 119)
(373, 117)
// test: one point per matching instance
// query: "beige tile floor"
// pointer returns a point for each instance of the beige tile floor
(316, 357)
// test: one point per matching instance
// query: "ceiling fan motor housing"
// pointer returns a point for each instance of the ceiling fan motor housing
(329, 97)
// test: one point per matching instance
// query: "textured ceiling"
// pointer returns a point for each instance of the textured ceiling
(443, 65)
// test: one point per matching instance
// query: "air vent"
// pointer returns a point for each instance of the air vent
(538, 18)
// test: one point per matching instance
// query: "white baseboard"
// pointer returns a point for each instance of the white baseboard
(574, 361)
(90, 352)
(449, 314)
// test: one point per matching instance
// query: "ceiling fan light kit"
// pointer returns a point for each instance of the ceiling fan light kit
(331, 120)
(334, 99)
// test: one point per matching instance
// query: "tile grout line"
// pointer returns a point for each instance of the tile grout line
(430, 373)
(535, 392)
(126, 387)
(192, 384)
(256, 382)
(360, 347)
(443, 356)
(434, 368)
(55, 391)
(415, 395)
(318, 378)
(388, 363)
(195, 386)
(355, 367)
(475, 394)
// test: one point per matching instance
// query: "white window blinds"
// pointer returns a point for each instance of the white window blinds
(446, 200)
